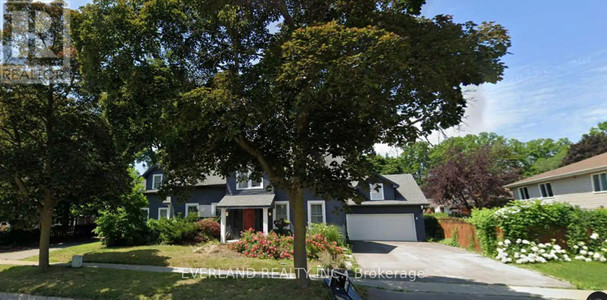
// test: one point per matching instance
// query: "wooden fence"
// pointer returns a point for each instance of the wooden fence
(466, 234)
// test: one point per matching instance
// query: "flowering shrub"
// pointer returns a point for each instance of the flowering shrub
(259, 245)
(595, 249)
(528, 218)
(316, 243)
(523, 251)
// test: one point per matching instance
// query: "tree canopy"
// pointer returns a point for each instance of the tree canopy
(56, 150)
(300, 90)
(592, 143)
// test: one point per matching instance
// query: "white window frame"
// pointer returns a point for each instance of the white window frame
(190, 205)
(154, 180)
(324, 211)
(288, 210)
(168, 212)
(147, 213)
(372, 189)
(520, 192)
(602, 189)
(249, 182)
(539, 187)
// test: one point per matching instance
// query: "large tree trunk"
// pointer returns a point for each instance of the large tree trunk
(46, 217)
(299, 241)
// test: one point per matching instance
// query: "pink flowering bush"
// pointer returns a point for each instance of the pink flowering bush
(316, 243)
(258, 245)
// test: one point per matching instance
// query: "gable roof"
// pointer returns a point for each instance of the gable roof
(590, 165)
(405, 185)
(408, 188)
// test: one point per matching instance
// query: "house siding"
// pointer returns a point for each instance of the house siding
(335, 211)
(576, 190)
(201, 195)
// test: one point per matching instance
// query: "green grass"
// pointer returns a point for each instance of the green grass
(212, 256)
(92, 283)
(584, 275)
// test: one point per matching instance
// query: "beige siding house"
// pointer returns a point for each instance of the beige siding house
(582, 184)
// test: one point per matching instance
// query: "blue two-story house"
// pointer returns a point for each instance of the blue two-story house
(393, 210)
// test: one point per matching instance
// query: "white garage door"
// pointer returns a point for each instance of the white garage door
(381, 227)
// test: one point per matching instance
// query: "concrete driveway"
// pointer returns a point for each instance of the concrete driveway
(441, 263)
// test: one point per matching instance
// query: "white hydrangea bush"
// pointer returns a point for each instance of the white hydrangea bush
(525, 252)
(595, 251)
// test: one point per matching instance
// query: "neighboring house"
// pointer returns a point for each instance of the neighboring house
(582, 184)
(393, 211)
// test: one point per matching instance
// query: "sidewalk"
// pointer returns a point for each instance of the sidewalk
(388, 289)
(23, 254)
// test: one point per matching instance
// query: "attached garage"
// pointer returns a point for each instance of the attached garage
(381, 227)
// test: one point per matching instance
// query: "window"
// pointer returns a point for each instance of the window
(376, 191)
(281, 210)
(599, 182)
(524, 193)
(245, 183)
(163, 213)
(191, 208)
(316, 212)
(146, 213)
(546, 190)
(156, 180)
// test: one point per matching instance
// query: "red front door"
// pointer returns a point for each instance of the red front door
(248, 221)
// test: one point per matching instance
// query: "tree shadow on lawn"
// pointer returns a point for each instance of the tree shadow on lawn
(93, 283)
(134, 257)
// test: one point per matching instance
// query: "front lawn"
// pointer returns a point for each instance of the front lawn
(584, 275)
(119, 284)
(210, 256)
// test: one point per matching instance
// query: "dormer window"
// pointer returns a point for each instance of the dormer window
(244, 182)
(376, 191)
(156, 181)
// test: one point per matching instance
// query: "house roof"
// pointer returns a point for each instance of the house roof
(209, 180)
(406, 186)
(212, 180)
(594, 164)
(247, 201)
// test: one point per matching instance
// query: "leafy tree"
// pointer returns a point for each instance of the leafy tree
(210, 86)
(592, 143)
(55, 148)
(414, 160)
(125, 224)
(540, 155)
(470, 180)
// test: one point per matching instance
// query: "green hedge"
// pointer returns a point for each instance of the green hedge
(585, 222)
(531, 219)
(485, 223)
